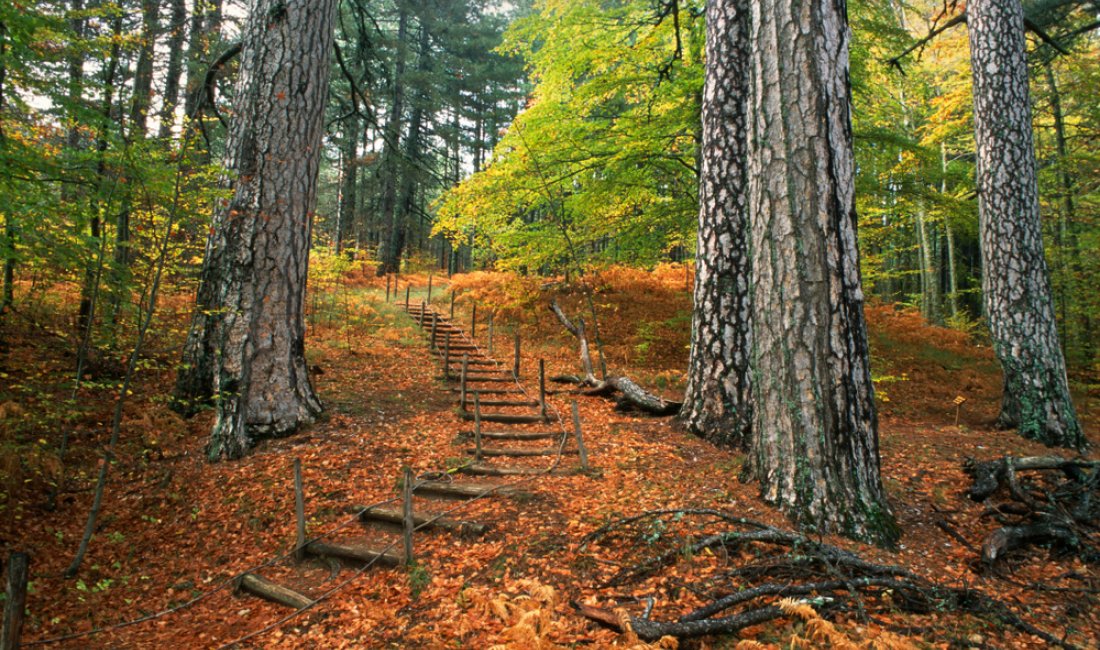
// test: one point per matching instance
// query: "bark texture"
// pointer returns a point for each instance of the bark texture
(815, 437)
(246, 346)
(717, 402)
(1015, 278)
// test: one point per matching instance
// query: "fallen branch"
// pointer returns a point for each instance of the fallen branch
(632, 395)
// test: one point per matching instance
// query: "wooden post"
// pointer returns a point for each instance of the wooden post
(452, 305)
(407, 290)
(490, 333)
(515, 362)
(432, 343)
(477, 426)
(473, 323)
(429, 288)
(388, 280)
(580, 436)
(299, 511)
(542, 388)
(422, 311)
(462, 381)
(409, 522)
(447, 357)
(16, 601)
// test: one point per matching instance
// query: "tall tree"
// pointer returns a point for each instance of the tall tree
(394, 239)
(718, 400)
(176, 31)
(815, 434)
(246, 347)
(1015, 278)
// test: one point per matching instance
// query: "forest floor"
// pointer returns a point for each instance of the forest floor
(176, 528)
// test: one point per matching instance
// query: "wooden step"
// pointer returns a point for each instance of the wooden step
(356, 552)
(504, 418)
(463, 490)
(488, 391)
(489, 380)
(268, 590)
(422, 520)
(515, 435)
(474, 361)
(518, 452)
(481, 469)
(502, 402)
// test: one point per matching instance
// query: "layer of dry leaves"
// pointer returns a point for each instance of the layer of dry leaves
(175, 527)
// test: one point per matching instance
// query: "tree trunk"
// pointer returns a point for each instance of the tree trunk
(177, 23)
(815, 441)
(952, 276)
(349, 173)
(394, 234)
(249, 331)
(930, 273)
(1015, 278)
(205, 32)
(413, 143)
(718, 401)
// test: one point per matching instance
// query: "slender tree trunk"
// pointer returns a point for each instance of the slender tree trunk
(815, 435)
(952, 276)
(349, 180)
(930, 273)
(413, 140)
(177, 30)
(205, 32)
(1015, 279)
(250, 311)
(394, 234)
(110, 79)
(718, 400)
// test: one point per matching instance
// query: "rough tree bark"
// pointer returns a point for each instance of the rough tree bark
(246, 346)
(717, 402)
(1015, 278)
(815, 433)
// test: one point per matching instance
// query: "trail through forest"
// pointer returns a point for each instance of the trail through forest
(177, 528)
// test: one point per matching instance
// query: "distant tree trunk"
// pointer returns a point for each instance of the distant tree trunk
(7, 293)
(248, 333)
(413, 139)
(930, 272)
(349, 179)
(205, 31)
(110, 79)
(394, 233)
(1015, 279)
(952, 276)
(176, 25)
(815, 434)
(718, 400)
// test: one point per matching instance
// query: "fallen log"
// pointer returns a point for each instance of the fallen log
(355, 552)
(632, 394)
(264, 588)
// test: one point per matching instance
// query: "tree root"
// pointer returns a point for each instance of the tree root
(784, 564)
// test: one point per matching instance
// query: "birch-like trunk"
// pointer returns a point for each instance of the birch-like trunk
(249, 329)
(717, 402)
(815, 432)
(1015, 278)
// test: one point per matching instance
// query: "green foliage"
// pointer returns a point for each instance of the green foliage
(601, 165)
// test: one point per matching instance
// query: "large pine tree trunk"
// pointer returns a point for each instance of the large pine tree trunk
(249, 329)
(815, 437)
(1015, 278)
(717, 403)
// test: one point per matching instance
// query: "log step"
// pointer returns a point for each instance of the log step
(467, 490)
(518, 452)
(504, 418)
(490, 380)
(500, 391)
(268, 590)
(515, 435)
(357, 552)
(480, 469)
(422, 520)
(502, 402)
(476, 361)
